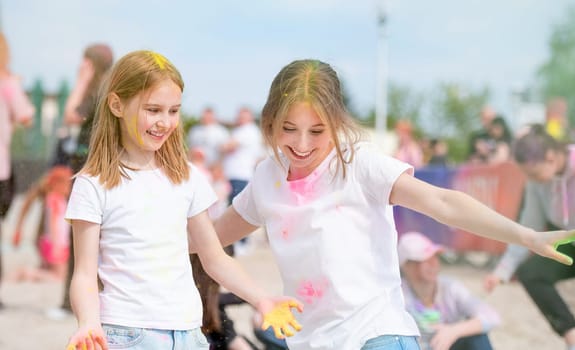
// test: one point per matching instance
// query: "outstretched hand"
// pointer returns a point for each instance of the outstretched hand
(88, 339)
(279, 316)
(546, 244)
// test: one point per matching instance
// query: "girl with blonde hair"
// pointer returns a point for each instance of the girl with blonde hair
(326, 199)
(137, 209)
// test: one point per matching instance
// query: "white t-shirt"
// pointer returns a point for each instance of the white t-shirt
(143, 259)
(336, 246)
(240, 163)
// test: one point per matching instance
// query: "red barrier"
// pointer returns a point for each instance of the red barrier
(498, 186)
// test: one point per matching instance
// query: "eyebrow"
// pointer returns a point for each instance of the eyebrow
(313, 126)
(159, 105)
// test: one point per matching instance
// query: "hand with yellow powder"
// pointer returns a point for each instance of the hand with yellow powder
(88, 339)
(279, 316)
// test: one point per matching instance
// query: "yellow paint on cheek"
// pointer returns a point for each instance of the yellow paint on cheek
(133, 129)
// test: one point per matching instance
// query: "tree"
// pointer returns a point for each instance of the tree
(556, 77)
(455, 113)
(403, 103)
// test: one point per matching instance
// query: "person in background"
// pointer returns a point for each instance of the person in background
(137, 209)
(408, 149)
(557, 121)
(548, 203)
(53, 241)
(15, 109)
(481, 144)
(501, 136)
(79, 112)
(439, 153)
(208, 136)
(449, 317)
(325, 200)
(241, 153)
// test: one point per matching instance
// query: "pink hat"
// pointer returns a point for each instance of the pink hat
(417, 247)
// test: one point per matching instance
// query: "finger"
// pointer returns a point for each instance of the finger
(296, 304)
(569, 239)
(71, 346)
(562, 258)
(287, 332)
(295, 324)
(100, 341)
(278, 333)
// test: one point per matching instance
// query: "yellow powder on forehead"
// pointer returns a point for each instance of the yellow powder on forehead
(159, 59)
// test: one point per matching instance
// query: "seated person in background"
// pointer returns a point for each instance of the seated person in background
(447, 315)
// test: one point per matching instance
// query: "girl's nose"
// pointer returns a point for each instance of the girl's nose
(302, 143)
(163, 120)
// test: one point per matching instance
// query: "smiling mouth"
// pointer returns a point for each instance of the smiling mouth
(155, 134)
(300, 155)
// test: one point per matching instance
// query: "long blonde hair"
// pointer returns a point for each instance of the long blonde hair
(314, 82)
(134, 73)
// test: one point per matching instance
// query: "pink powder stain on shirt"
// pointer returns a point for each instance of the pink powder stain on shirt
(310, 291)
(285, 234)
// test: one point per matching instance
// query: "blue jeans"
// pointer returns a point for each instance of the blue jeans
(391, 342)
(473, 342)
(120, 337)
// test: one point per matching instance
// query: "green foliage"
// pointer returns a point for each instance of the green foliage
(556, 77)
(404, 103)
(455, 110)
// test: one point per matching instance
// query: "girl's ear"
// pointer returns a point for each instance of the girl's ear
(115, 105)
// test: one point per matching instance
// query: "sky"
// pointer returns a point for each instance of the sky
(229, 51)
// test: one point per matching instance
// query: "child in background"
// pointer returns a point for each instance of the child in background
(326, 200)
(447, 314)
(137, 209)
(53, 242)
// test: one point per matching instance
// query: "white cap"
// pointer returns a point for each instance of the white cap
(417, 247)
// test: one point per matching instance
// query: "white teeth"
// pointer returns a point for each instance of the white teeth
(301, 154)
(155, 134)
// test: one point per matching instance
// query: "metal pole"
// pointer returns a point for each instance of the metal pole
(381, 84)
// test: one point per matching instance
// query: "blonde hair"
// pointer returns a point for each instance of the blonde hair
(316, 83)
(133, 74)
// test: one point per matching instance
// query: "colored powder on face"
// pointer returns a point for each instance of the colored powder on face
(134, 130)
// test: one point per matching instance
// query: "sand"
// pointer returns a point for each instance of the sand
(24, 326)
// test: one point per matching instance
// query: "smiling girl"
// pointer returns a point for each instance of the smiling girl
(325, 200)
(137, 208)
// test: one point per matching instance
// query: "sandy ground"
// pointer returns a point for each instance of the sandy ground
(24, 326)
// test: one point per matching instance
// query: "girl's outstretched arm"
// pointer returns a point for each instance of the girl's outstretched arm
(84, 287)
(231, 227)
(457, 209)
(229, 273)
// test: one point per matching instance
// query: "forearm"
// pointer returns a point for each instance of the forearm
(468, 327)
(479, 219)
(231, 275)
(231, 227)
(85, 300)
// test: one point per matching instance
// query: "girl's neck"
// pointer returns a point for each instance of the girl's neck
(139, 161)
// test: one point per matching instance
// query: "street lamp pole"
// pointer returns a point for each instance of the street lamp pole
(381, 87)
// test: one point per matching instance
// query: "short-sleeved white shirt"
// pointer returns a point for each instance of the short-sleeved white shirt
(336, 246)
(143, 257)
